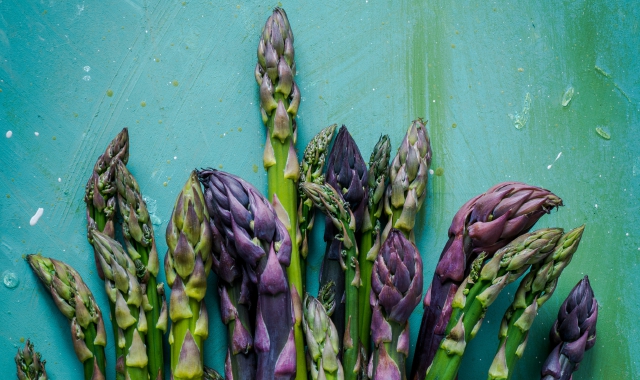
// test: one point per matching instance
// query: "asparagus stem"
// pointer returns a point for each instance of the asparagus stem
(98, 354)
(352, 309)
(366, 267)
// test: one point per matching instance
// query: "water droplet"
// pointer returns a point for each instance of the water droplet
(86, 68)
(568, 95)
(9, 134)
(86, 78)
(10, 279)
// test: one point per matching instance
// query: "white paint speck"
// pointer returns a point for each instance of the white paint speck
(59, 179)
(175, 157)
(627, 234)
(596, 205)
(431, 171)
(549, 166)
(86, 78)
(36, 217)
(87, 68)
(36, 133)
(559, 154)
(554, 161)
(9, 134)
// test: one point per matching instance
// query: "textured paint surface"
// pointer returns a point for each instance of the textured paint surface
(180, 76)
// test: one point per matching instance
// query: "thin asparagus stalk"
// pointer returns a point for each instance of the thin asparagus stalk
(126, 296)
(75, 301)
(279, 101)
(29, 364)
(573, 333)
(140, 242)
(323, 341)
(329, 201)
(396, 291)
(485, 223)
(369, 240)
(255, 235)
(480, 289)
(534, 290)
(187, 265)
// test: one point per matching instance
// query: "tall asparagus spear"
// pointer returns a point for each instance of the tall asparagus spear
(396, 291)
(408, 177)
(485, 223)
(249, 224)
(369, 241)
(187, 265)
(125, 294)
(279, 101)
(534, 290)
(329, 201)
(480, 289)
(573, 333)
(322, 340)
(75, 301)
(29, 364)
(140, 242)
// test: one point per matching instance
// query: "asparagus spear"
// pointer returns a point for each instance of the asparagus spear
(29, 364)
(125, 294)
(347, 174)
(534, 290)
(573, 333)
(396, 291)
(187, 265)
(75, 301)
(323, 341)
(407, 188)
(480, 289)
(485, 223)
(251, 228)
(137, 231)
(369, 241)
(329, 201)
(235, 303)
(279, 101)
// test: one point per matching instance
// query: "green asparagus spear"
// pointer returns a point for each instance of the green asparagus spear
(322, 340)
(29, 364)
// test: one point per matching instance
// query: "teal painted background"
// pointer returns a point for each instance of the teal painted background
(180, 76)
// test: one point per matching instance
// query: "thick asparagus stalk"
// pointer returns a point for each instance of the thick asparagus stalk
(235, 302)
(573, 333)
(480, 289)
(126, 296)
(29, 364)
(534, 290)
(187, 265)
(140, 242)
(75, 301)
(369, 241)
(256, 235)
(396, 291)
(347, 174)
(329, 201)
(322, 340)
(485, 223)
(408, 177)
(279, 101)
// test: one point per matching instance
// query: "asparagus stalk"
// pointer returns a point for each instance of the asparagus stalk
(29, 364)
(369, 241)
(256, 235)
(408, 177)
(329, 201)
(347, 174)
(187, 265)
(235, 304)
(126, 296)
(485, 223)
(75, 301)
(480, 289)
(323, 341)
(279, 101)
(140, 243)
(573, 333)
(396, 291)
(534, 290)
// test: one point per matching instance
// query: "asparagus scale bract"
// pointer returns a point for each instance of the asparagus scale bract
(485, 223)
(573, 333)
(396, 285)
(279, 102)
(187, 265)
(480, 289)
(256, 235)
(29, 364)
(75, 301)
(322, 340)
(534, 290)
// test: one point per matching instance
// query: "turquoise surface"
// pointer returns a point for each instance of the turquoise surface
(180, 77)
